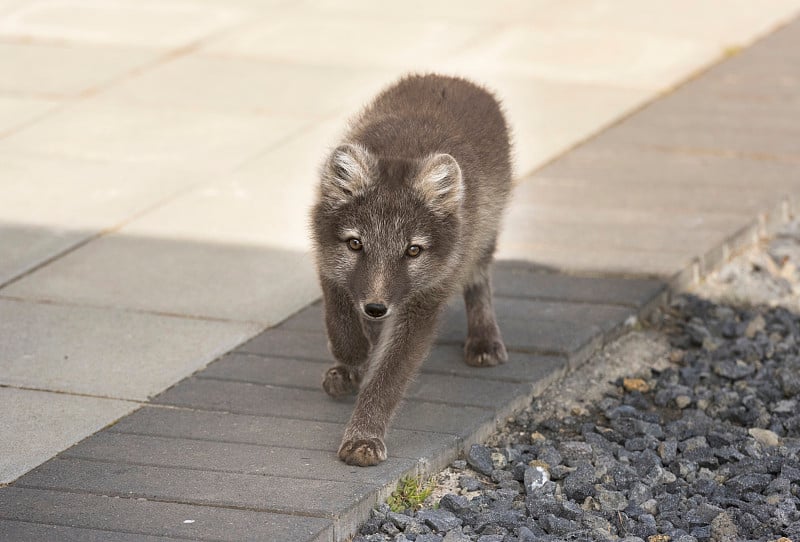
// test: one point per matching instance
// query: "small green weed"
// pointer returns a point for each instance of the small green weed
(411, 492)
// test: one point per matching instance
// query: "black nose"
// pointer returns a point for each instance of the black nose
(375, 310)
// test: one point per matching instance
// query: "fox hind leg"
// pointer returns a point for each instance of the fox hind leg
(484, 346)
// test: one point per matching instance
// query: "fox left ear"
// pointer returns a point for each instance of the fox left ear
(440, 184)
(346, 174)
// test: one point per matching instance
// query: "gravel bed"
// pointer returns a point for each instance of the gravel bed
(686, 431)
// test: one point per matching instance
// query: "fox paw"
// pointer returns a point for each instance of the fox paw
(340, 381)
(363, 452)
(480, 352)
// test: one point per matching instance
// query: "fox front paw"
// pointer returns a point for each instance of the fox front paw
(340, 381)
(481, 352)
(363, 452)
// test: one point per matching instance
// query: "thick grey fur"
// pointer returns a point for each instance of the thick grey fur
(426, 163)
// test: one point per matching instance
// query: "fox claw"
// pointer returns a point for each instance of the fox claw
(484, 352)
(340, 381)
(363, 452)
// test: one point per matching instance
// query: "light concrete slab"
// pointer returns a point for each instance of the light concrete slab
(16, 111)
(590, 55)
(145, 23)
(248, 86)
(338, 39)
(7, 6)
(49, 204)
(198, 279)
(601, 261)
(537, 192)
(467, 10)
(109, 353)
(192, 141)
(671, 235)
(547, 117)
(724, 23)
(59, 70)
(264, 203)
(37, 425)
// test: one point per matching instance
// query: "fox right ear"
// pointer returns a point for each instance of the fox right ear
(346, 174)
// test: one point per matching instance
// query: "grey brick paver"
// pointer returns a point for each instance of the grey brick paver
(233, 457)
(296, 344)
(320, 498)
(534, 336)
(20, 531)
(524, 279)
(457, 390)
(259, 400)
(521, 367)
(144, 517)
(271, 431)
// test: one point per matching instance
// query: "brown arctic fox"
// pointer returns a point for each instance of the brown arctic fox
(408, 212)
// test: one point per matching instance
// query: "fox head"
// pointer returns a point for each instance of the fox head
(387, 229)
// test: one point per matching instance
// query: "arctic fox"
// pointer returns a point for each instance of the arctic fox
(407, 214)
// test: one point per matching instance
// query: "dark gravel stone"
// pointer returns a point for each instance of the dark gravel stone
(479, 458)
(456, 535)
(733, 370)
(748, 482)
(709, 453)
(535, 478)
(439, 520)
(457, 504)
(372, 525)
(399, 520)
(580, 484)
(611, 501)
(468, 483)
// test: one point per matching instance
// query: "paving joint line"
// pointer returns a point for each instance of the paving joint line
(67, 455)
(261, 445)
(117, 531)
(137, 496)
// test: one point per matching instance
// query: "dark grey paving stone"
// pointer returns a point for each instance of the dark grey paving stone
(289, 343)
(523, 279)
(271, 431)
(233, 457)
(607, 317)
(445, 359)
(245, 398)
(248, 398)
(536, 336)
(310, 318)
(521, 367)
(142, 517)
(605, 164)
(691, 119)
(291, 372)
(320, 498)
(19, 531)
(591, 193)
(456, 390)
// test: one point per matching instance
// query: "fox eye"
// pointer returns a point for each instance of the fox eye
(413, 251)
(355, 244)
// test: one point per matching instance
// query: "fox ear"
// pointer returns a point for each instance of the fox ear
(440, 184)
(345, 174)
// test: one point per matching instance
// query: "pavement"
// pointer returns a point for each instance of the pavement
(158, 160)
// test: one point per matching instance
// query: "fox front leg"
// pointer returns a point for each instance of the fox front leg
(346, 341)
(396, 359)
